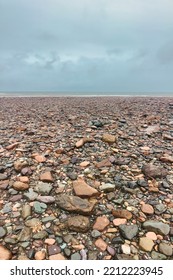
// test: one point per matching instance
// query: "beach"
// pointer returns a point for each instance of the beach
(86, 178)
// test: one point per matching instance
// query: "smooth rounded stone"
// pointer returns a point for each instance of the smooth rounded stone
(43, 188)
(128, 231)
(151, 235)
(165, 249)
(132, 184)
(3, 232)
(125, 249)
(118, 201)
(124, 257)
(82, 189)
(46, 199)
(40, 235)
(146, 244)
(40, 255)
(101, 244)
(19, 164)
(20, 186)
(122, 213)
(7, 208)
(117, 240)
(76, 256)
(78, 223)
(5, 254)
(53, 249)
(57, 257)
(25, 234)
(95, 233)
(107, 187)
(110, 250)
(31, 194)
(67, 252)
(153, 171)
(157, 256)
(63, 246)
(39, 207)
(92, 255)
(16, 197)
(48, 219)
(101, 223)
(119, 221)
(108, 138)
(142, 183)
(26, 211)
(31, 254)
(110, 196)
(25, 244)
(96, 123)
(72, 175)
(75, 204)
(11, 240)
(147, 209)
(160, 208)
(157, 227)
(3, 176)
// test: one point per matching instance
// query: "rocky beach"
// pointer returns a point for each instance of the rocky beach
(86, 178)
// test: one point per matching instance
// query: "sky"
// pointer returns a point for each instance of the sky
(86, 46)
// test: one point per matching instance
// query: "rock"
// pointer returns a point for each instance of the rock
(157, 256)
(157, 227)
(39, 207)
(19, 164)
(165, 249)
(153, 171)
(75, 204)
(147, 209)
(128, 231)
(119, 221)
(108, 138)
(107, 187)
(104, 163)
(95, 233)
(20, 186)
(122, 213)
(76, 256)
(40, 255)
(72, 175)
(160, 208)
(166, 158)
(53, 250)
(110, 250)
(33, 223)
(26, 211)
(50, 241)
(3, 232)
(25, 234)
(57, 257)
(31, 195)
(82, 141)
(43, 188)
(125, 249)
(82, 189)
(5, 254)
(40, 158)
(101, 223)
(46, 199)
(46, 177)
(3, 176)
(78, 223)
(101, 244)
(40, 235)
(151, 235)
(146, 244)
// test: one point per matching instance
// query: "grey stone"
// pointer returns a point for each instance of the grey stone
(165, 249)
(43, 188)
(31, 195)
(157, 227)
(95, 233)
(128, 231)
(157, 256)
(26, 211)
(40, 235)
(25, 234)
(76, 256)
(3, 232)
(107, 187)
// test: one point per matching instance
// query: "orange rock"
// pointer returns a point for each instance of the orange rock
(101, 244)
(147, 209)
(40, 158)
(84, 163)
(101, 223)
(24, 179)
(5, 254)
(82, 189)
(109, 138)
(119, 221)
(57, 257)
(122, 213)
(20, 186)
(49, 241)
(40, 255)
(151, 235)
(46, 177)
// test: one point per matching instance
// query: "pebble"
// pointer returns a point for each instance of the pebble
(128, 231)
(101, 223)
(107, 187)
(3, 232)
(147, 209)
(146, 244)
(165, 249)
(82, 189)
(157, 227)
(78, 223)
(101, 244)
(5, 254)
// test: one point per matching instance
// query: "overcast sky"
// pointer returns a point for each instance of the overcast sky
(86, 45)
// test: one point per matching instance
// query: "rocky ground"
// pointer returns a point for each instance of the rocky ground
(86, 178)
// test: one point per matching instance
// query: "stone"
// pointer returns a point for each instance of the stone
(43, 188)
(153, 171)
(157, 227)
(5, 254)
(108, 138)
(53, 250)
(125, 249)
(146, 244)
(157, 256)
(151, 235)
(165, 249)
(3, 176)
(40, 235)
(101, 223)
(46, 199)
(82, 189)
(110, 250)
(26, 211)
(57, 257)
(46, 177)
(20, 186)
(78, 223)
(3, 232)
(104, 163)
(119, 221)
(95, 233)
(128, 231)
(122, 213)
(75, 204)
(166, 158)
(19, 164)
(147, 209)
(39, 207)
(24, 179)
(76, 256)
(40, 255)
(72, 175)
(49, 241)
(40, 158)
(101, 244)
(107, 187)
(33, 223)
(31, 195)
(25, 234)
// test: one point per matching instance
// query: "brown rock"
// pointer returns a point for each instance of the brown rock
(82, 141)
(46, 177)
(75, 204)
(20, 186)
(78, 223)
(122, 213)
(12, 146)
(40, 158)
(40, 255)
(19, 164)
(153, 171)
(119, 221)
(57, 257)
(109, 138)
(24, 179)
(147, 209)
(146, 244)
(82, 189)
(5, 254)
(101, 244)
(49, 241)
(53, 250)
(101, 223)
(104, 163)
(166, 158)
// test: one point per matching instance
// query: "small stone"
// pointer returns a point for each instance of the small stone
(79, 143)
(49, 241)
(46, 199)
(43, 188)
(3, 232)
(19, 164)
(5, 254)
(107, 187)
(108, 138)
(119, 221)
(20, 186)
(111, 250)
(40, 158)
(31, 195)
(151, 235)
(24, 179)
(122, 213)
(76, 256)
(95, 233)
(72, 175)
(101, 244)
(46, 177)
(147, 209)
(57, 257)
(53, 250)
(82, 189)
(128, 231)
(157, 227)
(165, 249)
(40, 255)
(125, 249)
(146, 244)
(153, 171)
(101, 223)
(26, 211)
(40, 235)
(25, 234)
(3, 176)
(78, 223)
(157, 256)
